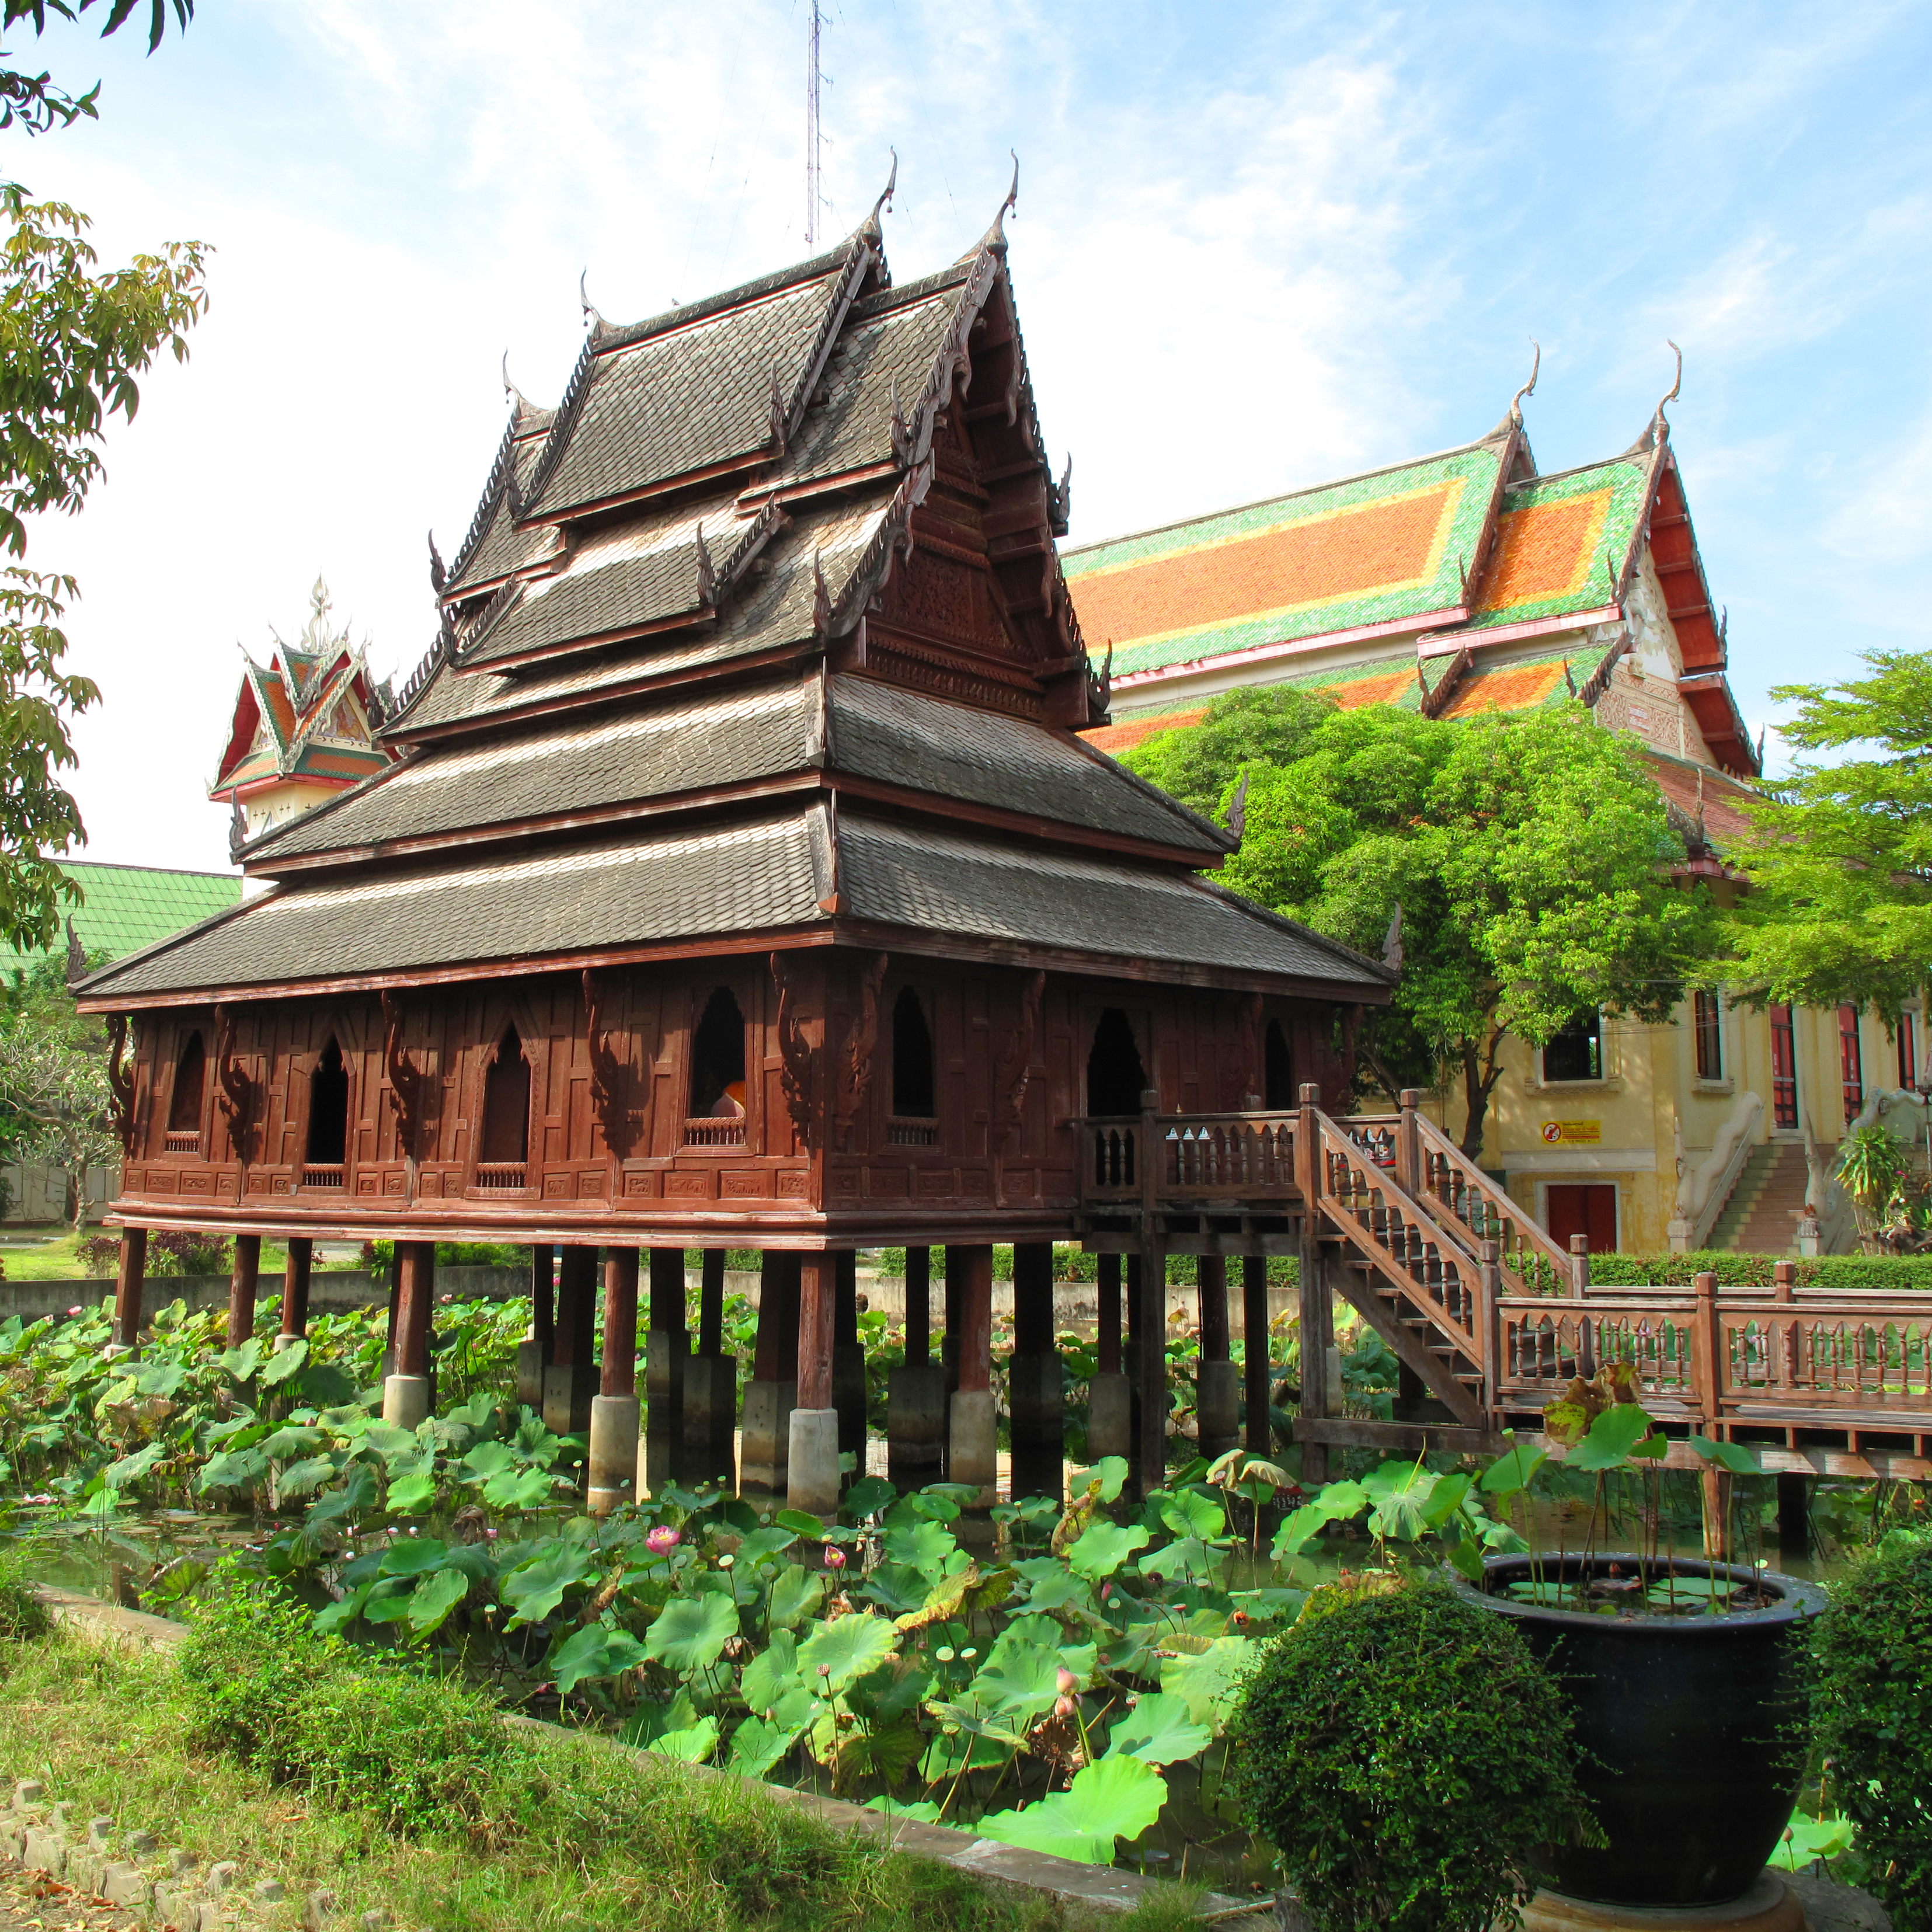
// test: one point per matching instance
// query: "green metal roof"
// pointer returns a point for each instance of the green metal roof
(129, 906)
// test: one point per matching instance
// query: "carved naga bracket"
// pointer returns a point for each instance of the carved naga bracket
(611, 1079)
(1015, 1068)
(238, 1097)
(855, 1075)
(409, 1083)
(800, 1055)
(121, 1084)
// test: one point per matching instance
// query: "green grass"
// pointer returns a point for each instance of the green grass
(565, 1834)
(55, 1258)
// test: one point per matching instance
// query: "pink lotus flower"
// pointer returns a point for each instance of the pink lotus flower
(835, 1557)
(662, 1541)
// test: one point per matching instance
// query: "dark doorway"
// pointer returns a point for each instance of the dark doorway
(506, 1103)
(328, 1109)
(1116, 1077)
(913, 1090)
(1277, 1068)
(718, 1060)
(185, 1103)
(1591, 1210)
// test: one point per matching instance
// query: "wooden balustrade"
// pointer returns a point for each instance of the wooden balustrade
(314, 1175)
(1532, 1263)
(1543, 1342)
(714, 1132)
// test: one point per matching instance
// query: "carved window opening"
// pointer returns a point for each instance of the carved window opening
(716, 1115)
(1783, 1067)
(1116, 1075)
(1851, 1062)
(326, 1149)
(503, 1157)
(1277, 1070)
(1707, 1023)
(914, 1121)
(183, 1134)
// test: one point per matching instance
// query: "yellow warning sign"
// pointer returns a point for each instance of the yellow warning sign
(1572, 1133)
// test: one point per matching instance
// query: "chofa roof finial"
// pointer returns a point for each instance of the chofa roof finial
(1529, 387)
(592, 314)
(872, 227)
(1671, 394)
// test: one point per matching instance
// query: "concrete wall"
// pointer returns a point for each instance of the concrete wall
(40, 1193)
(1074, 1302)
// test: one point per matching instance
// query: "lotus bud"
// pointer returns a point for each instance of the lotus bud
(1067, 1681)
(1063, 1707)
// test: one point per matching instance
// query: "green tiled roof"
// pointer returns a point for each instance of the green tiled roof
(1400, 543)
(129, 906)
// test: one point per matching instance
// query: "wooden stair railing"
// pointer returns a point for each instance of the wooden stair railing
(1469, 1208)
(1425, 1297)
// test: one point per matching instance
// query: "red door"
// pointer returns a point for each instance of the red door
(1783, 1069)
(1580, 1210)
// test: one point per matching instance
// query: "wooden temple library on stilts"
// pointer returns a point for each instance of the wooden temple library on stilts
(739, 880)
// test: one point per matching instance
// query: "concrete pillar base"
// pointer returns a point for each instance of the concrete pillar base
(567, 1395)
(613, 1452)
(915, 1424)
(282, 1341)
(812, 1466)
(530, 1373)
(710, 1397)
(764, 1442)
(405, 1400)
(848, 1397)
(1110, 1417)
(973, 1444)
(1217, 1407)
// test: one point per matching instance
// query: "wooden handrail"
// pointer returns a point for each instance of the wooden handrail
(1511, 1226)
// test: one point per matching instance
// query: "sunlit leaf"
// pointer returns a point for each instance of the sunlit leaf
(1101, 1548)
(534, 1590)
(1207, 1684)
(410, 1556)
(432, 1599)
(796, 1592)
(1159, 1729)
(594, 1651)
(1730, 1456)
(688, 1635)
(834, 1654)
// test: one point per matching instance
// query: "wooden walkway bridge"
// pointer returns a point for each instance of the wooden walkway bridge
(1489, 1317)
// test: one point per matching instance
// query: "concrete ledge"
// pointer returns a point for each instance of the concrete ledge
(1092, 1889)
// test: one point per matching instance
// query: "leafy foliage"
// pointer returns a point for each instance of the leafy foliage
(34, 101)
(1529, 857)
(1408, 1756)
(1872, 1715)
(1841, 857)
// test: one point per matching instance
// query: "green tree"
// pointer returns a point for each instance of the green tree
(1840, 858)
(1530, 857)
(72, 341)
(1270, 724)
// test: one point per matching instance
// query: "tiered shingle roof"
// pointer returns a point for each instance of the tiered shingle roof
(761, 633)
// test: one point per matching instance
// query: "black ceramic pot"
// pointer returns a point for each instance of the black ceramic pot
(1692, 1726)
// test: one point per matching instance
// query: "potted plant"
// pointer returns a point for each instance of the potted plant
(1408, 1758)
(1682, 1672)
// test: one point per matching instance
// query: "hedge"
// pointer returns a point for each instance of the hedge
(1829, 1272)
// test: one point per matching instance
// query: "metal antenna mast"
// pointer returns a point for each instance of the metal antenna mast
(812, 134)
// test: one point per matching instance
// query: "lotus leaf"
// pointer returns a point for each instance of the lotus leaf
(688, 1635)
(835, 1653)
(1159, 1730)
(1101, 1548)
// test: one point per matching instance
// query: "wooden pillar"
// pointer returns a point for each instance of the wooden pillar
(711, 1303)
(811, 1470)
(918, 1307)
(241, 1283)
(538, 1349)
(570, 1382)
(949, 1345)
(616, 1471)
(406, 1391)
(1317, 1309)
(1150, 1365)
(817, 1293)
(765, 1436)
(1794, 1518)
(1034, 1388)
(395, 1305)
(916, 1392)
(972, 1427)
(848, 1357)
(1108, 1341)
(1256, 1390)
(1217, 1391)
(294, 1287)
(618, 1371)
(127, 1286)
(668, 1348)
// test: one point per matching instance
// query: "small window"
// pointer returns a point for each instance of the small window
(1707, 1022)
(184, 1102)
(328, 1109)
(1277, 1068)
(1908, 1050)
(914, 1092)
(1116, 1076)
(1851, 1062)
(1577, 1053)
(718, 1060)
(506, 1103)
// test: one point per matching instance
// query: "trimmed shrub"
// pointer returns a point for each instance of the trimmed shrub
(1408, 1756)
(1841, 1272)
(1871, 1709)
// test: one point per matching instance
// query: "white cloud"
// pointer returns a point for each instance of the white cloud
(1887, 519)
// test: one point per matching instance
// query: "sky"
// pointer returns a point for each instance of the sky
(1256, 246)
